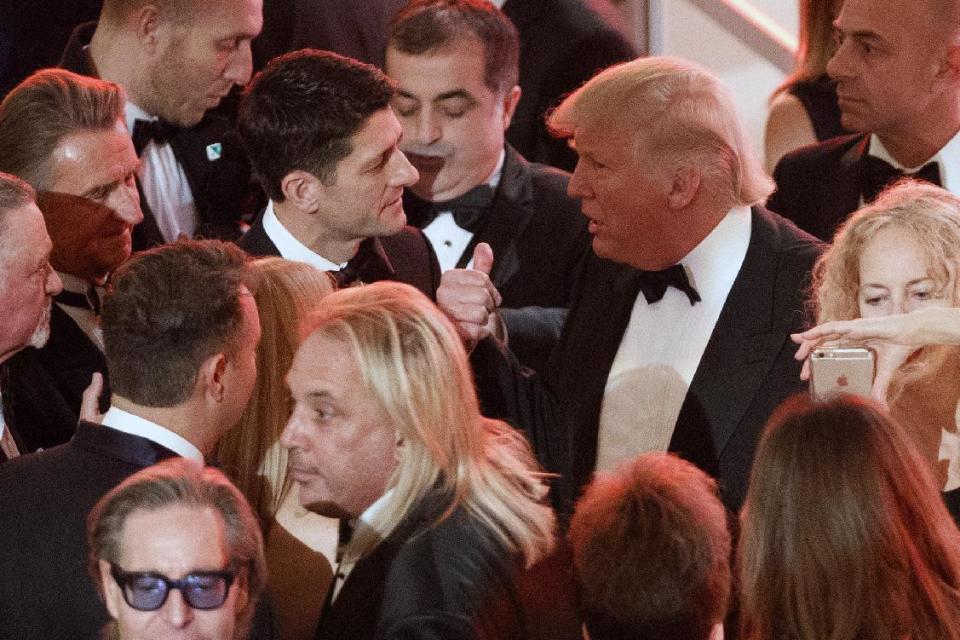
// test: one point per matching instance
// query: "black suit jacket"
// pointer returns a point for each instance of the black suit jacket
(746, 370)
(45, 591)
(44, 388)
(448, 581)
(539, 237)
(562, 45)
(212, 158)
(818, 186)
(404, 257)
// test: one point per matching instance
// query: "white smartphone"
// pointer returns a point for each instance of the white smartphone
(835, 370)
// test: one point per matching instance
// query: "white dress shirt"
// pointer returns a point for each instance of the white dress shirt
(662, 346)
(449, 240)
(85, 318)
(948, 159)
(135, 425)
(7, 444)
(289, 247)
(164, 183)
(343, 569)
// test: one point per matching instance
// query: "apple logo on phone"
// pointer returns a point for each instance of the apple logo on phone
(842, 381)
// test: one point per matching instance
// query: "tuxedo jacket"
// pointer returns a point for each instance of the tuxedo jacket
(539, 238)
(45, 591)
(212, 158)
(562, 45)
(746, 370)
(448, 581)
(404, 257)
(44, 387)
(818, 186)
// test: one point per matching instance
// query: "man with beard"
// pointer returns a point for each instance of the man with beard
(64, 135)
(455, 65)
(27, 283)
(177, 59)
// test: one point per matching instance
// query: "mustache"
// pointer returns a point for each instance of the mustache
(430, 150)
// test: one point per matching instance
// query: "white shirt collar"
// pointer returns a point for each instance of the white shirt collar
(374, 509)
(135, 425)
(497, 173)
(713, 264)
(291, 248)
(132, 113)
(948, 159)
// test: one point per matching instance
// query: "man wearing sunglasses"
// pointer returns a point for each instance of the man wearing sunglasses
(175, 549)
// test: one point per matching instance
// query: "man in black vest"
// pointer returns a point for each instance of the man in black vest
(27, 282)
(176, 59)
(181, 331)
(455, 65)
(83, 167)
(678, 336)
(323, 140)
(897, 69)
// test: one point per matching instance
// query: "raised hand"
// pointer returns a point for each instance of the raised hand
(469, 298)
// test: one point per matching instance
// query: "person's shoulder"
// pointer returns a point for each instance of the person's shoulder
(408, 241)
(819, 156)
(792, 239)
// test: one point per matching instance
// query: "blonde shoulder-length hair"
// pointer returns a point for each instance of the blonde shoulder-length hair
(285, 292)
(413, 363)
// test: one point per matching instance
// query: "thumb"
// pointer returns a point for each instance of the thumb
(483, 258)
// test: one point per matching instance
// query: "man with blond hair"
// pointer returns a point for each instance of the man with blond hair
(678, 333)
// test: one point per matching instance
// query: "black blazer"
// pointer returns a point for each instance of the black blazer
(45, 591)
(404, 257)
(448, 581)
(818, 186)
(212, 158)
(539, 237)
(562, 45)
(746, 371)
(44, 387)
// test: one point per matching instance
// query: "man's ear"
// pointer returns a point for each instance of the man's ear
(111, 591)
(210, 377)
(683, 186)
(510, 101)
(148, 24)
(302, 189)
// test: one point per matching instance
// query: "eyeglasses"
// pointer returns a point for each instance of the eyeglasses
(147, 591)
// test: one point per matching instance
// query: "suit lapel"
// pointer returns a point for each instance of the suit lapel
(744, 344)
(256, 242)
(848, 179)
(507, 218)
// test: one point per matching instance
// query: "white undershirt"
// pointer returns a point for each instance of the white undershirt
(164, 183)
(289, 247)
(135, 425)
(85, 318)
(450, 241)
(948, 159)
(662, 347)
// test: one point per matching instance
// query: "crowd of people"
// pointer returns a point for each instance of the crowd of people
(294, 345)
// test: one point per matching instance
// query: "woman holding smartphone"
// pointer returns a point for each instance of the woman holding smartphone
(890, 282)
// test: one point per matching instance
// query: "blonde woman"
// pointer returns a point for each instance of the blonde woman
(300, 546)
(890, 281)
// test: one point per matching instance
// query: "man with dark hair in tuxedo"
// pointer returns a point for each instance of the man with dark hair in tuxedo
(897, 69)
(455, 65)
(64, 134)
(176, 60)
(27, 283)
(181, 331)
(678, 336)
(324, 142)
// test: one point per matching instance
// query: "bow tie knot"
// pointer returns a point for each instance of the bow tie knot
(159, 131)
(877, 174)
(469, 210)
(653, 284)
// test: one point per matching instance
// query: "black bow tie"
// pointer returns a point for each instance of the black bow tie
(877, 174)
(468, 210)
(653, 284)
(89, 300)
(367, 262)
(160, 131)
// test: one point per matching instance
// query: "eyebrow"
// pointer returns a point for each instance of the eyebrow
(909, 284)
